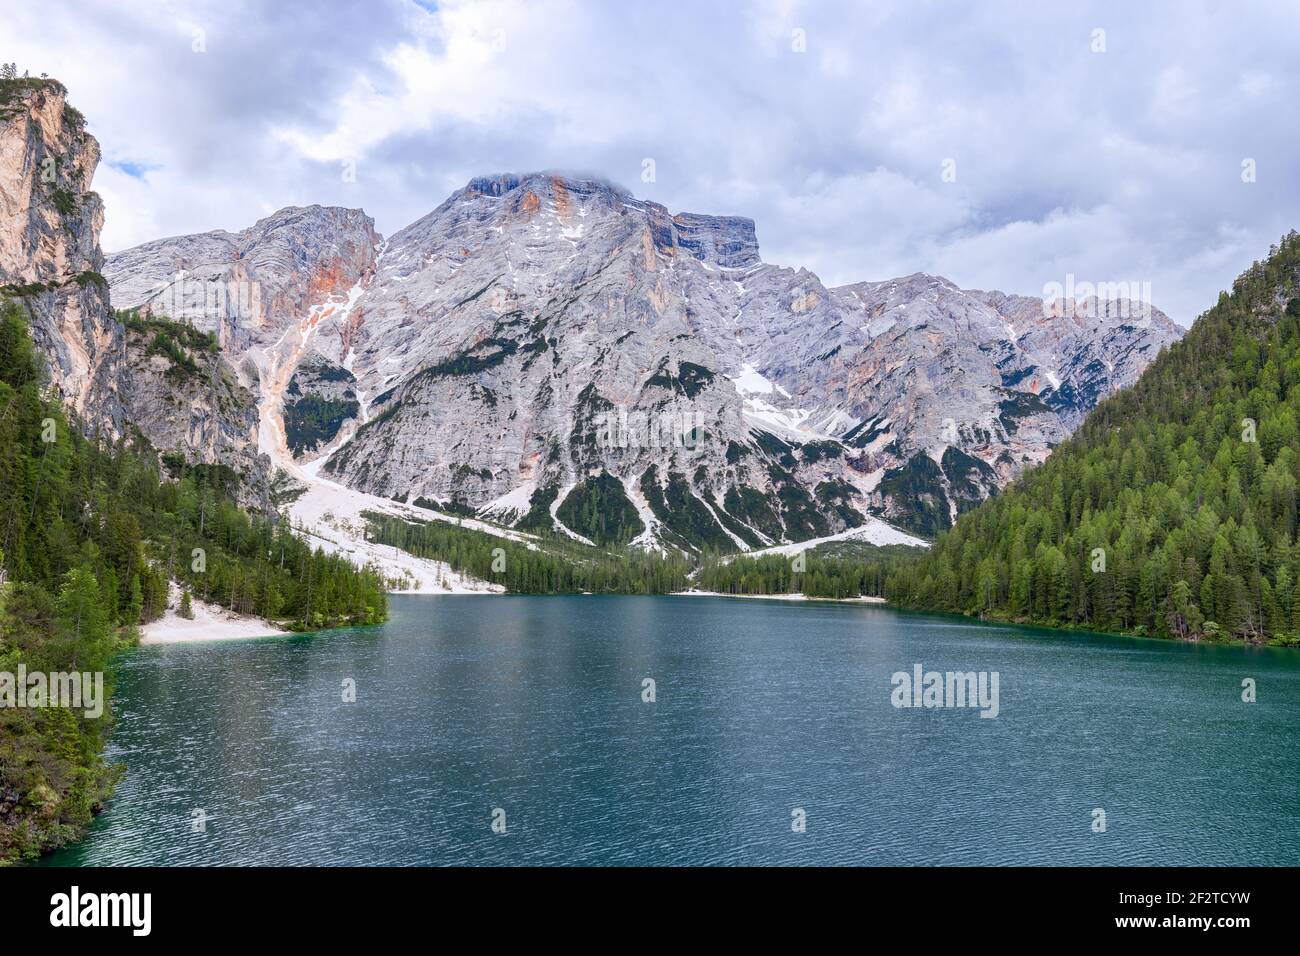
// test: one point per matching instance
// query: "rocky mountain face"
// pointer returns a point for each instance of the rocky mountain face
(49, 248)
(958, 391)
(165, 381)
(552, 352)
(186, 399)
(262, 294)
(251, 287)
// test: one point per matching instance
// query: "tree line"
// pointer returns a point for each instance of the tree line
(550, 568)
(90, 536)
(1172, 509)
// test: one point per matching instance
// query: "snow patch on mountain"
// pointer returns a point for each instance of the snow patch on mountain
(875, 532)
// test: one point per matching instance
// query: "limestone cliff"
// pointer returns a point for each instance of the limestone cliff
(552, 352)
(49, 248)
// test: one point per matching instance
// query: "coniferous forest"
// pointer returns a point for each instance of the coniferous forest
(1172, 509)
(552, 566)
(89, 536)
(819, 574)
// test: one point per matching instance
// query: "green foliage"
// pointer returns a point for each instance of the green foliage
(598, 509)
(803, 520)
(62, 556)
(250, 563)
(64, 200)
(828, 571)
(73, 118)
(12, 88)
(754, 509)
(89, 536)
(179, 342)
(312, 420)
(182, 365)
(776, 448)
(25, 289)
(556, 567)
(862, 435)
(917, 489)
(819, 450)
(1192, 517)
(22, 290)
(690, 380)
(471, 362)
(835, 495)
(182, 333)
(538, 517)
(689, 522)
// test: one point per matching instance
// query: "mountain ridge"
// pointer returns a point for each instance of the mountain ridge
(488, 340)
(1171, 511)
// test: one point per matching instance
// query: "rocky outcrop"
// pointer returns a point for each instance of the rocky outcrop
(49, 248)
(276, 298)
(248, 288)
(187, 401)
(320, 402)
(552, 352)
(166, 382)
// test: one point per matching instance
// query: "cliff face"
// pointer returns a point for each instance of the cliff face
(553, 352)
(185, 398)
(49, 248)
(166, 381)
(275, 296)
(249, 287)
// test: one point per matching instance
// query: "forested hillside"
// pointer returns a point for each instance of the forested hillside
(88, 538)
(554, 566)
(835, 570)
(1172, 510)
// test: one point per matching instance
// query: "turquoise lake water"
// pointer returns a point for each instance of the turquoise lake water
(470, 708)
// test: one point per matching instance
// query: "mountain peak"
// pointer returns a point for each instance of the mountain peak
(547, 181)
(315, 211)
(726, 241)
(476, 361)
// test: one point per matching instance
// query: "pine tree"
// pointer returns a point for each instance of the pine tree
(1196, 513)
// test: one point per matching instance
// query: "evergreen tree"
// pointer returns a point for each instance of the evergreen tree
(90, 537)
(1187, 482)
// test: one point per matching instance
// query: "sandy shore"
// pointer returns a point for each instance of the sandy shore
(781, 597)
(211, 623)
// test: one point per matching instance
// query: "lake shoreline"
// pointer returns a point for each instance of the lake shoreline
(209, 622)
(1083, 631)
(796, 596)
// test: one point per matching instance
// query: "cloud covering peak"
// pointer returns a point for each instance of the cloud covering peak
(997, 144)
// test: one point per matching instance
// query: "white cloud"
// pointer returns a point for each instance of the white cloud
(1118, 165)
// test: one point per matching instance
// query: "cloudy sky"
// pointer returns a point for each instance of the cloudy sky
(999, 144)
